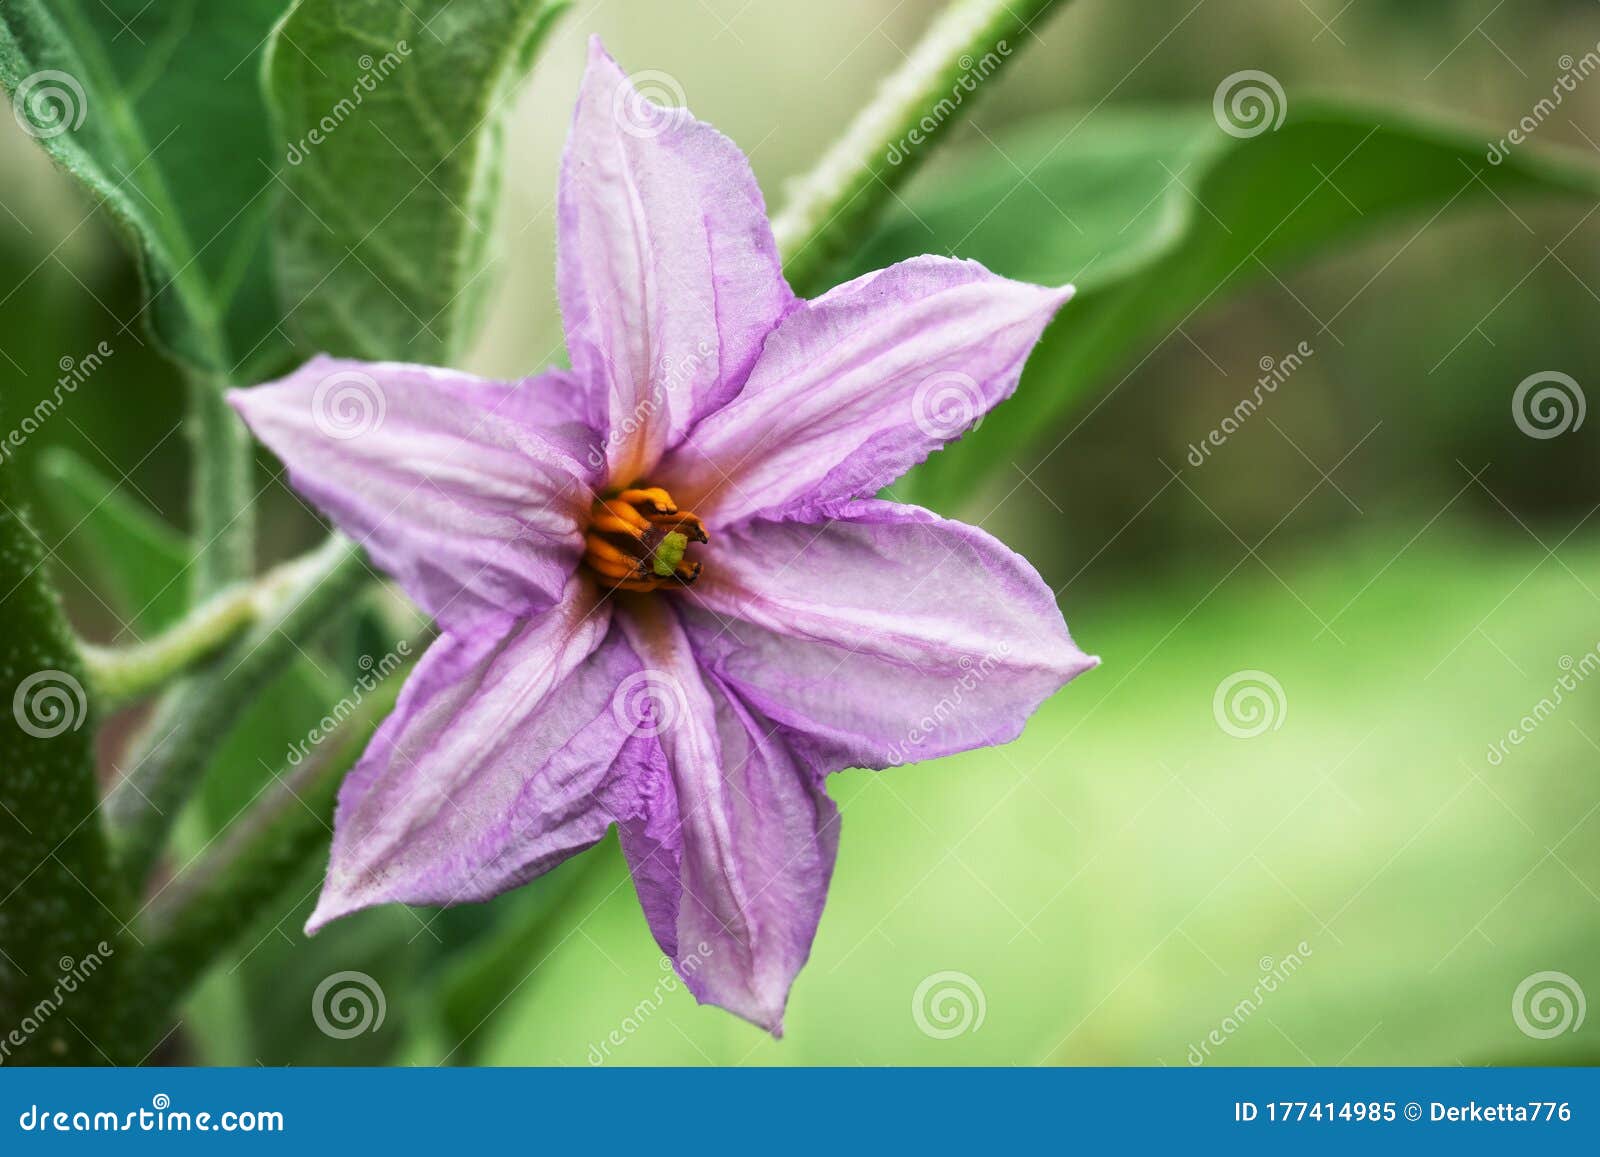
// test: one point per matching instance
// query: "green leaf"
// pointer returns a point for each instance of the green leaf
(57, 893)
(157, 110)
(391, 114)
(1156, 215)
(134, 559)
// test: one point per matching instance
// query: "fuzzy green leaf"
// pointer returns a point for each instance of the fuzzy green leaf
(157, 110)
(391, 119)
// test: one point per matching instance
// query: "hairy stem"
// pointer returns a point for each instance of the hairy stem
(122, 673)
(223, 514)
(186, 727)
(831, 209)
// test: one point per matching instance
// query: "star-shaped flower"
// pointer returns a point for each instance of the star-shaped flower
(667, 597)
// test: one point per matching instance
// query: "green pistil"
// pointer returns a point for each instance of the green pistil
(669, 554)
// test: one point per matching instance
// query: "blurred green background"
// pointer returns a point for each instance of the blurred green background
(1382, 539)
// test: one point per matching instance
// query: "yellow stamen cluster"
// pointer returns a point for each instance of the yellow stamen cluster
(637, 538)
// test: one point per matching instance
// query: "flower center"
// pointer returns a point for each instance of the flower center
(637, 539)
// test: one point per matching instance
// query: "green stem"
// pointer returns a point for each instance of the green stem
(191, 721)
(121, 673)
(223, 512)
(831, 209)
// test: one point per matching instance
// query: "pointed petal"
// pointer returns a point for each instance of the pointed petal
(858, 386)
(813, 626)
(736, 845)
(502, 758)
(668, 275)
(473, 511)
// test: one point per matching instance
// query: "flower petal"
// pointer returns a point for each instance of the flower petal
(549, 400)
(887, 636)
(855, 388)
(736, 845)
(476, 513)
(668, 275)
(502, 758)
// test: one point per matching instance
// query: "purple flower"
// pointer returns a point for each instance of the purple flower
(667, 598)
